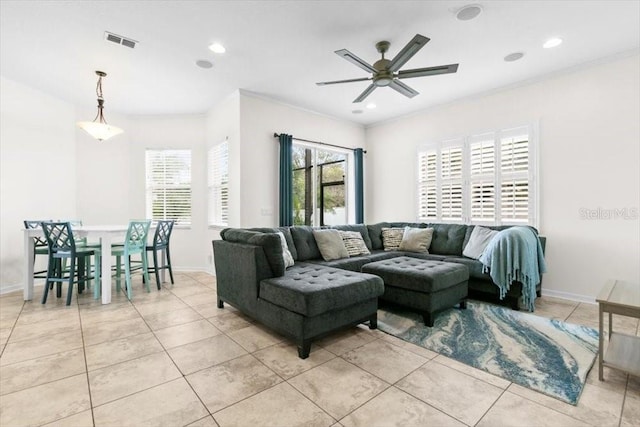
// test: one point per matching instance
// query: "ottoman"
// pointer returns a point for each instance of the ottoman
(427, 286)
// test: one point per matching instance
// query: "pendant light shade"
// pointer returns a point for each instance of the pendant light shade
(98, 128)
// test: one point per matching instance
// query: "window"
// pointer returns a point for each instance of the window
(218, 184)
(480, 179)
(168, 176)
(319, 186)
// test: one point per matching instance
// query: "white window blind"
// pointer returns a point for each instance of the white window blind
(483, 179)
(451, 183)
(218, 184)
(427, 175)
(168, 185)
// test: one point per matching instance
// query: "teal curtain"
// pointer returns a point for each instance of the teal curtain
(358, 164)
(286, 180)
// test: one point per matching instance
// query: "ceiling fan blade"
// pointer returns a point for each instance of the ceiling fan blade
(355, 60)
(366, 93)
(344, 81)
(403, 88)
(429, 71)
(407, 52)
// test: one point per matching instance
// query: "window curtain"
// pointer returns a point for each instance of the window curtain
(359, 181)
(286, 180)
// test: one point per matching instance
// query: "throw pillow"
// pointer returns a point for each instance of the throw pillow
(354, 243)
(330, 244)
(478, 241)
(391, 238)
(416, 239)
(286, 253)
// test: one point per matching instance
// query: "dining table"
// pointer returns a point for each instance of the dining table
(106, 234)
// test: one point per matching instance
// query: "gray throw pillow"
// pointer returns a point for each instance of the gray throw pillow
(391, 238)
(354, 243)
(330, 244)
(478, 241)
(416, 239)
(286, 254)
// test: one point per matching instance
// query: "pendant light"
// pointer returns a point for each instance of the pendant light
(98, 128)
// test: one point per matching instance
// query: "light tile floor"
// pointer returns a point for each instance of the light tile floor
(172, 358)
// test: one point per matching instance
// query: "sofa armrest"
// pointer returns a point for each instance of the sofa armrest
(239, 270)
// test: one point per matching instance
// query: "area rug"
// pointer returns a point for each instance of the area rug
(546, 355)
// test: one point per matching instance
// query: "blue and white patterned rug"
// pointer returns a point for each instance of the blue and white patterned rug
(549, 356)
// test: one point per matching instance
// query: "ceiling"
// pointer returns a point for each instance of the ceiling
(279, 49)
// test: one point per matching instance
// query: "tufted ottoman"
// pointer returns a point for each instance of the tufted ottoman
(311, 300)
(427, 286)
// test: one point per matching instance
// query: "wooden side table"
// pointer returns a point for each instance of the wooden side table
(623, 351)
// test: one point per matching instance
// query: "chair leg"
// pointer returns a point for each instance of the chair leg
(145, 269)
(127, 278)
(82, 273)
(156, 268)
(118, 272)
(72, 269)
(48, 284)
(97, 275)
(169, 264)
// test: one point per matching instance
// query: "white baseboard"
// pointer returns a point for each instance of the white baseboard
(568, 296)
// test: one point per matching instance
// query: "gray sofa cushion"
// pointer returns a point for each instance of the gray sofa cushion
(474, 266)
(356, 263)
(418, 275)
(305, 243)
(447, 239)
(375, 231)
(311, 289)
(270, 243)
(287, 236)
(492, 227)
(360, 228)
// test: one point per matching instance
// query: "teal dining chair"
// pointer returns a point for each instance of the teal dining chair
(40, 246)
(134, 244)
(62, 246)
(161, 243)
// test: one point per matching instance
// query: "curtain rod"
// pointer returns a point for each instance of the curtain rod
(275, 135)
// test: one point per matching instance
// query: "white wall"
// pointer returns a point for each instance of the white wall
(589, 123)
(37, 166)
(259, 119)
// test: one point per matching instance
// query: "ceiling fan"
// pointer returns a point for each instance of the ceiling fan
(387, 72)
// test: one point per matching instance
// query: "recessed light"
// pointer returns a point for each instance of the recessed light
(371, 106)
(552, 43)
(513, 56)
(217, 48)
(203, 63)
(356, 111)
(469, 12)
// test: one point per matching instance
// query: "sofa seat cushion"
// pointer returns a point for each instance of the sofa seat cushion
(356, 263)
(311, 289)
(474, 266)
(418, 275)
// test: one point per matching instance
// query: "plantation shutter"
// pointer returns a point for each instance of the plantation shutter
(451, 183)
(168, 182)
(427, 185)
(482, 172)
(514, 176)
(218, 184)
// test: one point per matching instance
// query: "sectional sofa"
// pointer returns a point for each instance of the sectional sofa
(314, 297)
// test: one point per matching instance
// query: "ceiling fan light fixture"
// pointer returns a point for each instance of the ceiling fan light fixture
(217, 48)
(469, 12)
(99, 128)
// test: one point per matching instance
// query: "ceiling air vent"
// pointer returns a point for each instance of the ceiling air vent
(119, 40)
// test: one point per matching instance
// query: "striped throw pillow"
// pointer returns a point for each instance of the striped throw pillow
(354, 243)
(391, 238)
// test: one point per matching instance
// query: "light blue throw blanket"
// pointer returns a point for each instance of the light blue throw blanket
(515, 254)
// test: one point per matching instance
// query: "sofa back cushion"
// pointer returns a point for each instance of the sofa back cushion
(492, 227)
(270, 243)
(287, 236)
(447, 239)
(360, 228)
(305, 243)
(375, 231)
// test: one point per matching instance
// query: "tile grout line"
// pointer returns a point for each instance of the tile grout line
(86, 367)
